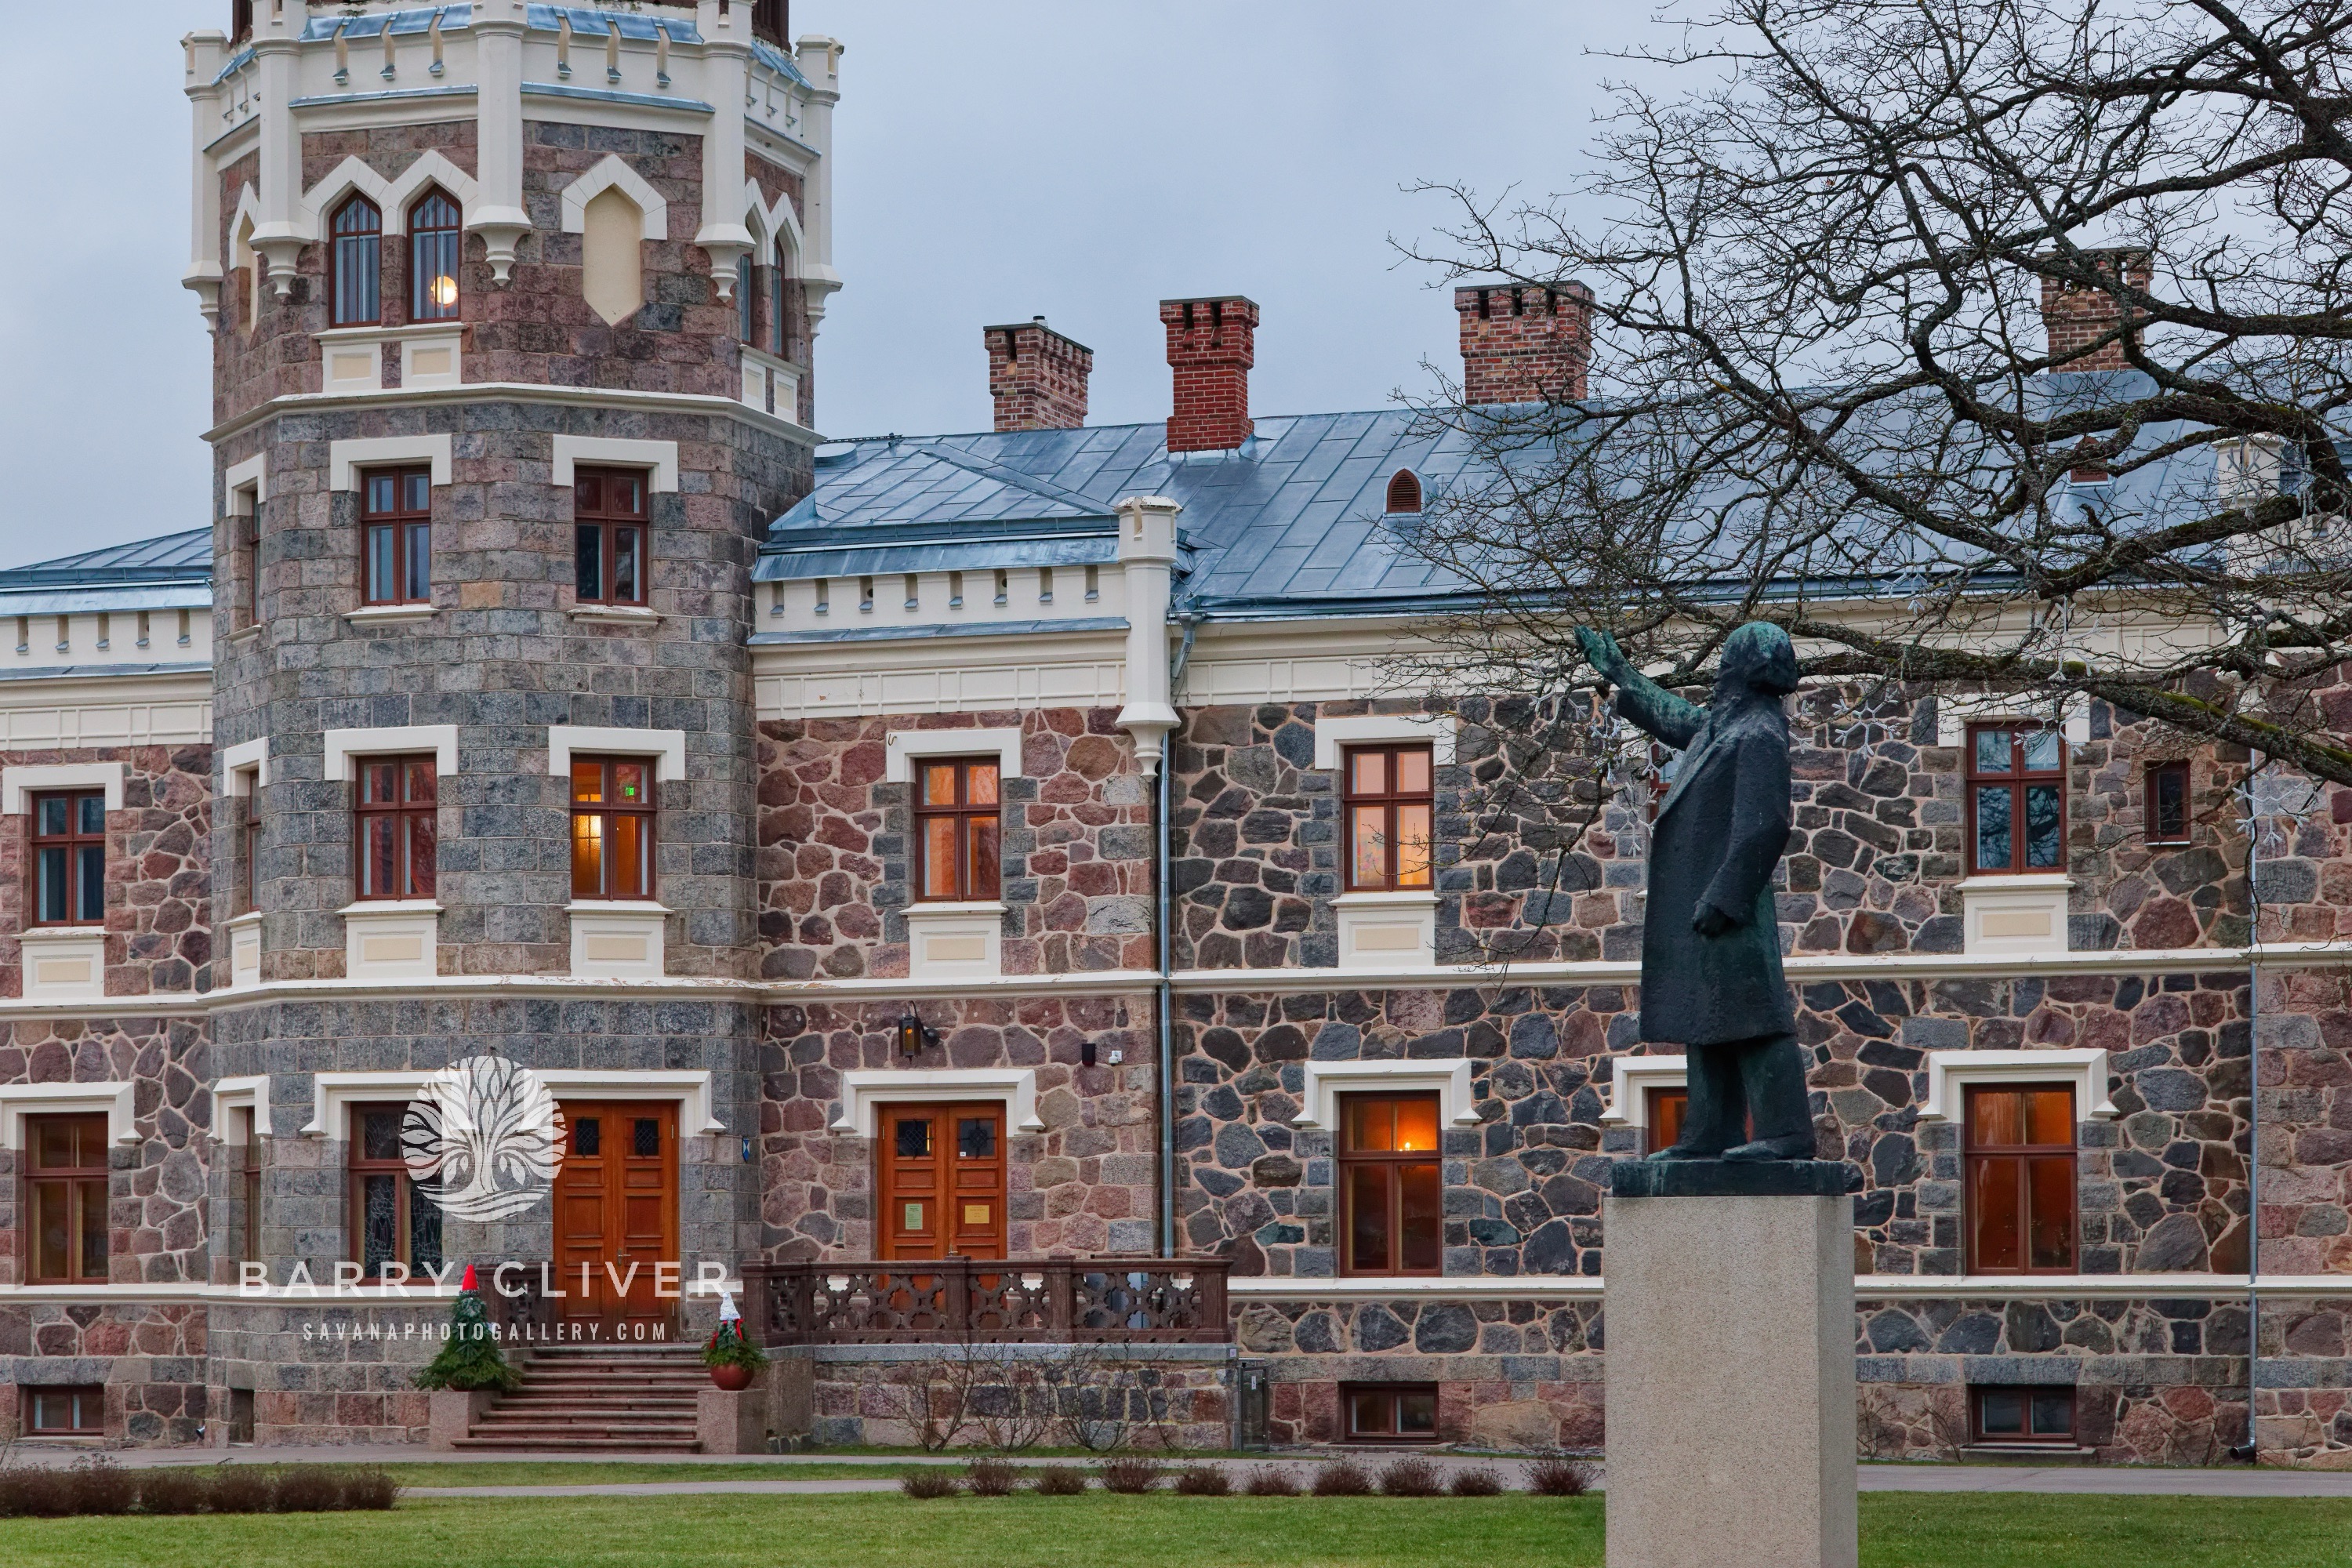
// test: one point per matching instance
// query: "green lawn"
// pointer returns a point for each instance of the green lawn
(601, 1472)
(1899, 1530)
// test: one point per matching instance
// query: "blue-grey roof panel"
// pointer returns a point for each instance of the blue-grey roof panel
(175, 558)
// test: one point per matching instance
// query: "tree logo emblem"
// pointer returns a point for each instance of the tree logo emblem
(483, 1138)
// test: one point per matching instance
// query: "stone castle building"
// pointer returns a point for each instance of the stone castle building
(1005, 845)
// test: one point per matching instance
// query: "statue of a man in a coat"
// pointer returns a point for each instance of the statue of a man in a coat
(1711, 977)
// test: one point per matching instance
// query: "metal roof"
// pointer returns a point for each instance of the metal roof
(175, 558)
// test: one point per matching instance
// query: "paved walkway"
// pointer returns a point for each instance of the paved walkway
(2118, 1481)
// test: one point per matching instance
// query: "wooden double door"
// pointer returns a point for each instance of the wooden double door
(941, 1181)
(616, 1215)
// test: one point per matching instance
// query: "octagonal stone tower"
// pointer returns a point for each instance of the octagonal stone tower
(513, 309)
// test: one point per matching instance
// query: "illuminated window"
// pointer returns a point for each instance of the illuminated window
(956, 823)
(1391, 1196)
(397, 830)
(435, 241)
(612, 827)
(2021, 1179)
(1389, 801)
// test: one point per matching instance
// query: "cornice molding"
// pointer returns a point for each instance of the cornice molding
(700, 404)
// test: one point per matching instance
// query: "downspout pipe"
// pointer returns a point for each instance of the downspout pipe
(2252, 1451)
(1164, 922)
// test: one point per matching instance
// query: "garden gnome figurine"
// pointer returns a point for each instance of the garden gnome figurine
(1711, 977)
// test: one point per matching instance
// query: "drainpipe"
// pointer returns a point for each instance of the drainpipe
(2252, 1451)
(1147, 552)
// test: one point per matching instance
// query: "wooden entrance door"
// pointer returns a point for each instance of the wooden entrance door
(615, 1211)
(942, 1181)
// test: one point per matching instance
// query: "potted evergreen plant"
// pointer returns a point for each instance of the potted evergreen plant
(733, 1360)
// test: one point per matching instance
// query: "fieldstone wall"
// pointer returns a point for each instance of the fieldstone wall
(158, 871)
(836, 859)
(2305, 1094)
(325, 1372)
(1154, 1398)
(151, 1359)
(2303, 1394)
(1083, 1187)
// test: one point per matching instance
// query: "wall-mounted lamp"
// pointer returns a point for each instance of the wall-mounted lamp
(1085, 1053)
(914, 1034)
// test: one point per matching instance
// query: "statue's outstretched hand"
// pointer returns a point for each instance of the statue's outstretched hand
(1710, 921)
(1602, 651)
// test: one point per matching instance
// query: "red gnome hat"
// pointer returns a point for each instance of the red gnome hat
(467, 1282)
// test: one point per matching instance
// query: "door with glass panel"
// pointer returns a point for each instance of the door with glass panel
(616, 1214)
(941, 1181)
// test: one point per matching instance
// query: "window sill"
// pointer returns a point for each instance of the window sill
(371, 332)
(244, 634)
(614, 615)
(616, 907)
(1388, 899)
(62, 932)
(944, 906)
(362, 907)
(391, 615)
(2017, 881)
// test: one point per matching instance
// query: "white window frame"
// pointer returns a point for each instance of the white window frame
(249, 1094)
(333, 1095)
(905, 745)
(114, 1096)
(16, 783)
(1333, 736)
(659, 459)
(1630, 1079)
(2084, 1069)
(863, 1091)
(346, 458)
(245, 766)
(343, 745)
(1324, 1082)
(666, 747)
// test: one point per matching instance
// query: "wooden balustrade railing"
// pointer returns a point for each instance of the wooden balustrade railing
(1060, 1301)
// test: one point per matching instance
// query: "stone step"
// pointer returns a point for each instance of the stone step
(558, 1445)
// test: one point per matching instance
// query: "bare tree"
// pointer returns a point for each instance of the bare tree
(2000, 344)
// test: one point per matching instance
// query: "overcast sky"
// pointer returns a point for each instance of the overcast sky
(1079, 159)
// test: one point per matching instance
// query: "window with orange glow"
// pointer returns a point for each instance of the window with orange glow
(1391, 1198)
(1388, 800)
(612, 827)
(2021, 1179)
(958, 819)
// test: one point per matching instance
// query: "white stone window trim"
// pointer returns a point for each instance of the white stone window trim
(112, 1096)
(1630, 1079)
(42, 778)
(1333, 735)
(250, 477)
(1387, 898)
(863, 1090)
(1325, 1081)
(1955, 713)
(905, 745)
(333, 1094)
(250, 1094)
(343, 745)
(611, 172)
(659, 459)
(614, 615)
(392, 198)
(666, 747)
(345, 458)
(2084, 1069)
(391, 615)
(245, 765)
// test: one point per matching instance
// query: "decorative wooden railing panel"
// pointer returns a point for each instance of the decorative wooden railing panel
(955, 1299)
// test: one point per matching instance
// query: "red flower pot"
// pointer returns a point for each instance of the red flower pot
(732, 1377)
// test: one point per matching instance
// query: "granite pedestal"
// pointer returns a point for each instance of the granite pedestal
(1730, 1365)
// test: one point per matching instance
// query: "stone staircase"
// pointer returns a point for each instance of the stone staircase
(598, 1398)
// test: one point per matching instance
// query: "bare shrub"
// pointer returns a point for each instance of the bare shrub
(929, 1482)
(97, 1484)
(1411, 1477)
(1205, 1480)
(1479, 1482)
(1343, 1478)
(1130, 1474)
(370, 1488)
(1559, 1478)
(1271, 1480)
(1061, 1481)
(241, 1489)
(934, 1397)
(306, 1489)
(174, 1489)
(30, 1491)
(991, 1478)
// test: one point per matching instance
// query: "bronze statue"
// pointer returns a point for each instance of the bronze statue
(1711, 978)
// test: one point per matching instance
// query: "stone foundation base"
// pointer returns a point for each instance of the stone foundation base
(1159, 1397)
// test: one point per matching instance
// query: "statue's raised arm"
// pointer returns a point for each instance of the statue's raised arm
(1644, 701)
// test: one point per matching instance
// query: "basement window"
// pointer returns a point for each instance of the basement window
(1389, 1412)
(2023, 1415)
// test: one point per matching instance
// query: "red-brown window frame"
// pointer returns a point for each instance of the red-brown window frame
(2152, 825)
(2017, 779)
(87, 1399)
(340, 310)
(1976, 1155)
(610, 811)
(357, 1167)
(1392, 1392)
(1663, 1108)
(967, 816)
(450, 237)
(1348, 1160)
(76, 1180)
(1977, 1431)
(593, 512)
(248, 840)
(1391, 799)
(249, 1184)
(420, 873)
(74, 842)
(412, 536)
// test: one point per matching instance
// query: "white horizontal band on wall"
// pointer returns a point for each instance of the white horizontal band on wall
(864, 1089)
(660, 456)
(346, 458)
(666, 747)
(1325, 1081)
(343, 745)
(16, 782)
(1384, 729)
(1949, 1073)
(18, 1100)
(905, 745)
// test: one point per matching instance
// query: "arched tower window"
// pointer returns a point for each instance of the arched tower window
(357, 264)
(436, 239)
(1404, 491)
(746, 307)
(778, 317)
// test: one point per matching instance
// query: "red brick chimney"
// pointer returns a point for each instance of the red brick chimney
(1037, 376)
(2075, 314)
(1211, 343)
(1524, 343)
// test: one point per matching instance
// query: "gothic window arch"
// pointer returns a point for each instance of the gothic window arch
(355, 264)
(436, 241)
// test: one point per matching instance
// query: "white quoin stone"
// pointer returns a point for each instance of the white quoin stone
(1147, 555)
